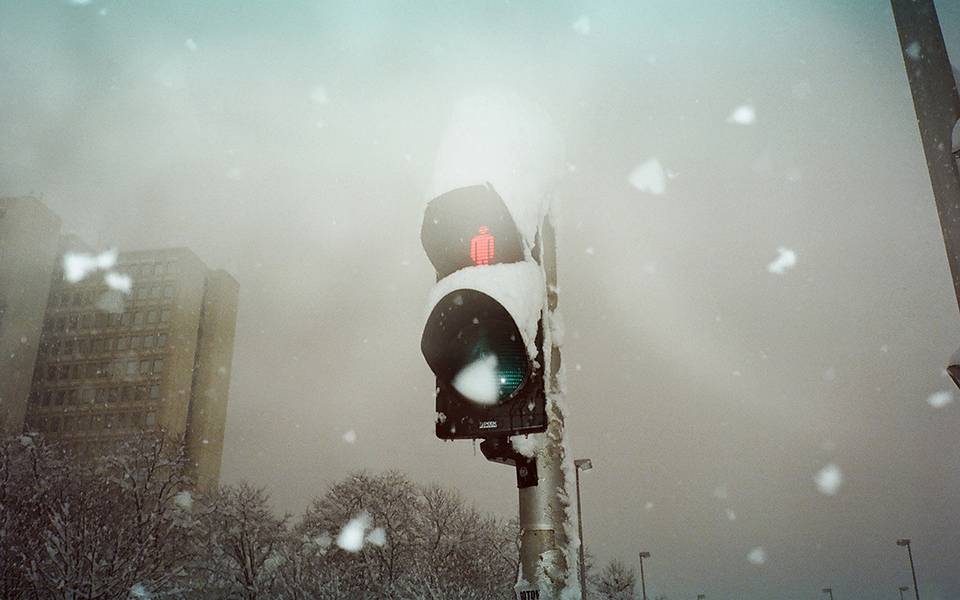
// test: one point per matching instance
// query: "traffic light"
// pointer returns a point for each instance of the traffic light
(483, 338)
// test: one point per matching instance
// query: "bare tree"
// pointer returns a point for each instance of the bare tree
(242, 547)
(616, 582)
(92, 530)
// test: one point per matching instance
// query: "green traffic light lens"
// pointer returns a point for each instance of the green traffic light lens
(472, 342)
(510, 365)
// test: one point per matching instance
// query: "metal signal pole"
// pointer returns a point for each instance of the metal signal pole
(543, 507)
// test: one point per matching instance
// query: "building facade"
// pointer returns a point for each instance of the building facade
(29, 233)
(143, 346)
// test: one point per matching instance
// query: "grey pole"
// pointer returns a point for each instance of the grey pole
(581, 464)
(902, 589)
(828, 591)
(643, 582)
(906, 542)
(543, 507)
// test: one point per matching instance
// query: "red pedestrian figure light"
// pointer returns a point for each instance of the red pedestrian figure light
(482, 246)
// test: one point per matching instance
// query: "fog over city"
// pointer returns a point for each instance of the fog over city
(757, 303)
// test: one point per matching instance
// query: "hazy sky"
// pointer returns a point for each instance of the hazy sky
(294, 144)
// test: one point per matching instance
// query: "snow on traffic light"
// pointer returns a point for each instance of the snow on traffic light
(483, 338)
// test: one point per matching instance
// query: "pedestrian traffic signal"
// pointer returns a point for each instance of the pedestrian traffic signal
(484, 336)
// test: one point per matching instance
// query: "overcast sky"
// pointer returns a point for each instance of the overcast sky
(295, 144)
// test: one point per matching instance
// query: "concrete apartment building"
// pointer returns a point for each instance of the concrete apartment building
(112, 364)
(29, 234)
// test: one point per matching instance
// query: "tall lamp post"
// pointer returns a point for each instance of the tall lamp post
(902, 589)
(906, 542)
(828, 591)
(581, 464)
(643, 582)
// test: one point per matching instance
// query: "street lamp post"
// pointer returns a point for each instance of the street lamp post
(828, 591)
(701, 596)
(643, 582)
(902, 589)
(581, 464)
(906, 542)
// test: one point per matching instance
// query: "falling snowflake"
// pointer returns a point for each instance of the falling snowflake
(120, 282)
(351, 536)
(649, 177)
(77, 265)
(940, 399)
(648, 506)
(183, 500)
(582, 25)
(479, 381)
(913, 50)
(350, 437)
(786, 259)
(757, 556)
(720, 492)
(190, 45)
(731, 516)
(743, 115)
(377, 537)
(319, 95)
(138, 591)
(829, 479)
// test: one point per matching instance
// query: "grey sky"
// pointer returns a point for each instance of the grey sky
(294, 144)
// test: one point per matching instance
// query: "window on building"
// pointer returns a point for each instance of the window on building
(126, 319)
(151, 419)
(165, 315)
(122, 343)
(101, 395)
(155, 291)
(150, 341)
(144, 367)
(114, 394)
(158, 365)
(131, 368)
(88, 395)
(141, 393)
(154, 392)
(135, 342)
(127, 394)
(161, 340)
(138, 318)
(152, 317)
(77, 298)
(83, 346)
(168, 292)
(60, 324)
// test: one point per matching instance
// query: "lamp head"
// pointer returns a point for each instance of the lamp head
(644, 555)
(583, 464)
(903, 542)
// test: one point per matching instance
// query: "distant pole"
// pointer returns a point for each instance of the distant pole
(828, 591)
(643, 583)
(913, 571)
(581, 464)
(902, 589)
